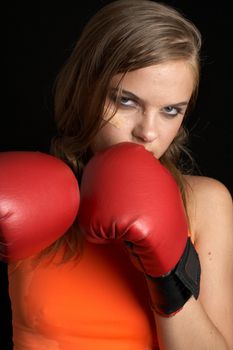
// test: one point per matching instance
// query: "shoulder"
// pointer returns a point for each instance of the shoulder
(209, 203)
(202, 186)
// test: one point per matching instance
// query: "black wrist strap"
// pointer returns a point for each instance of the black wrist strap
(169, 293)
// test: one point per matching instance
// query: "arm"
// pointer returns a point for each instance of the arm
(206, 323)
(126, 194)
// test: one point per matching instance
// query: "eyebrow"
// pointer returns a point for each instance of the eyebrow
(138, 99)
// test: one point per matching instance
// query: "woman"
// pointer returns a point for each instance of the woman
(133, 76)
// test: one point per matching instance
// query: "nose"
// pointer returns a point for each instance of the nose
(146, 129)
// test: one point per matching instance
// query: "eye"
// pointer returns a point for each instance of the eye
(122, 101)
(126, 102)
(172, 111)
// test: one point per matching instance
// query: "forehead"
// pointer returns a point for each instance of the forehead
(173, 81)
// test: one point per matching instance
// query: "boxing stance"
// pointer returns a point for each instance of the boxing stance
(127, 194)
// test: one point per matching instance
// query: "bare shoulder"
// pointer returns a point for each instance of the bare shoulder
(202, 186)
(209, 203)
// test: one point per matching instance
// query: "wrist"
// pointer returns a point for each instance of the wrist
(170, 292)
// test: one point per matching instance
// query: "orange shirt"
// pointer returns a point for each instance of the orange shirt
(100, 302)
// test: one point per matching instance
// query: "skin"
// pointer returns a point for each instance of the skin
(149, 119)
(152, 120)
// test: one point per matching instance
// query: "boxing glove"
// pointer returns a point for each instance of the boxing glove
(127, 194)
(39, 200)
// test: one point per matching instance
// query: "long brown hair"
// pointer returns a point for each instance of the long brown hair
(123, 36)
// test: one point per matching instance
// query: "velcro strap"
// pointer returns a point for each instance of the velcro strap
(169, 293)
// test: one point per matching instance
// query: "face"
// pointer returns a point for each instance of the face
(150, 108)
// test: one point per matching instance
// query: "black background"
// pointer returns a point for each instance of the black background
(39, 41)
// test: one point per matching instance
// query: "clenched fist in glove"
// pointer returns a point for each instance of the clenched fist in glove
(39, 200)
(127, 194)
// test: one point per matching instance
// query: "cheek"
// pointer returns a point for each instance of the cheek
(111, 116)
(115, 121)
(107, 136)
(172, 131)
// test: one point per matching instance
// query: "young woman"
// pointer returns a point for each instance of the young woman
(131, 81)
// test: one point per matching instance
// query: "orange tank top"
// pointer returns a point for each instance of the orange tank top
(100, 302)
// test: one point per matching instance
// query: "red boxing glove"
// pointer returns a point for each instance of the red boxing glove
(127, 194)
(39, 200)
